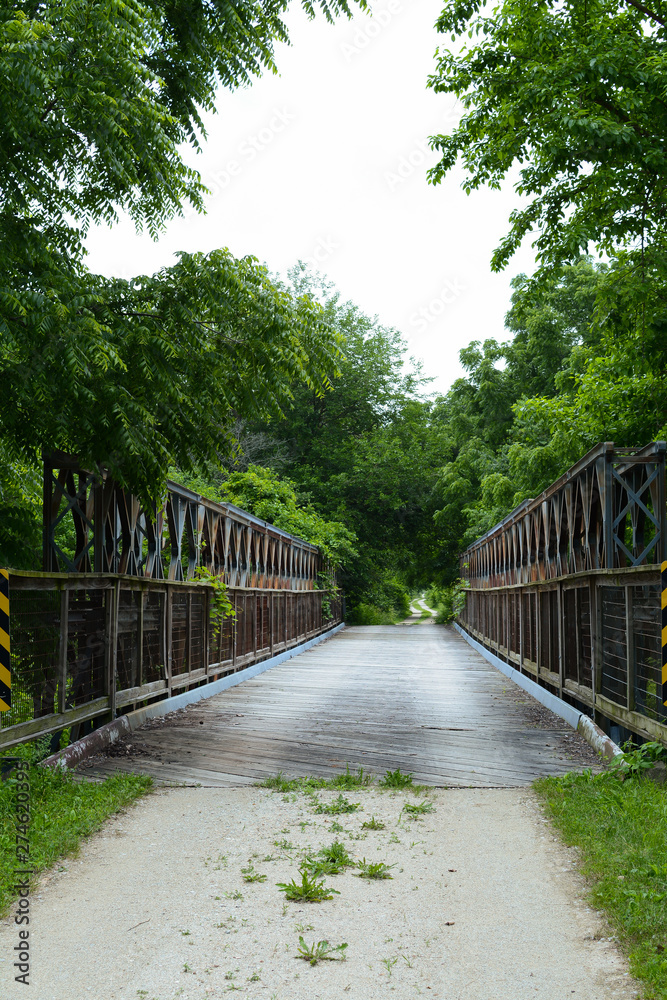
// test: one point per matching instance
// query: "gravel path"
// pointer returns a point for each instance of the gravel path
(484, 904)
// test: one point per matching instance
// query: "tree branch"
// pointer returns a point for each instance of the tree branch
(644, 10)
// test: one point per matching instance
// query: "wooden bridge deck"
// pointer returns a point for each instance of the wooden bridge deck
(413, 696)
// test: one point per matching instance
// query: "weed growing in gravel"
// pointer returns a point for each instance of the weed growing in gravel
(284, 844)
(233, 895)
(329, 860)
(395, 779)
(336, 853)
(372, 824)
(322, 951)
(310, 890)
(336, 827)
(389, 964)
(339, 805)
(250, 875)
(373, 869)
(279, 783)
(416, 809)
(350, 780)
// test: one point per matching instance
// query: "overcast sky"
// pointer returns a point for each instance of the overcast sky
(327, 163)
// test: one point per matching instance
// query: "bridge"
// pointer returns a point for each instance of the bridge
(563, 595)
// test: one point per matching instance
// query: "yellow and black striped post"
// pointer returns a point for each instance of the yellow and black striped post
(663, 575)
(5, 676)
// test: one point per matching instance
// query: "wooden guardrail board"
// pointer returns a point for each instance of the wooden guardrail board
(413, 696)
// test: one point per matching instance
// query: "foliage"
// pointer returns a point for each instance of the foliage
(574, 95)
(368, 614)
(321, 951)
(96, 102)
(635, 761)
(308, 891)
(620, 828)
(221, 606)
(449, 601)
(365, 453)
(63, 812)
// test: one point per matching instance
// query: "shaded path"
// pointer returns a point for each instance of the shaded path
(413, 696)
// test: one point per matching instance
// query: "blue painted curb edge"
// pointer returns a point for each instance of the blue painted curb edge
(585, 726)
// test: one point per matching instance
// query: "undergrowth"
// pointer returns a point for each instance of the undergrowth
(618, 820)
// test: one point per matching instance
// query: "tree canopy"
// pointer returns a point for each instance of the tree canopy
(96, 100)
(574, 94)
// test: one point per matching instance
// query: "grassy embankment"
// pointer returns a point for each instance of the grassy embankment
(618, 820)
(62, 813)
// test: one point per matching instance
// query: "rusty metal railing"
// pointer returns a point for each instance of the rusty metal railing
(88, 646)
(567, 588)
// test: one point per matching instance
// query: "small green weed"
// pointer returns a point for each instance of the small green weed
(250, 875)
(374, 869)
(372, 824)
(416, 809)
(395, 779)
(310, 890)
(389, 964)
(279, 783)
(336, 827)
(320, 952)
(338, 806)
(284, 844)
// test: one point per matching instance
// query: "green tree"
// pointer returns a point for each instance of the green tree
(572, 93)
(95, 101)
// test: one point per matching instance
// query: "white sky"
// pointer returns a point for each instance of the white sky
(327, 163)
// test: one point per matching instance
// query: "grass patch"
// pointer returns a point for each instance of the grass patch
(347, 781)
(396, 779)
(62, 813)
(619, 822)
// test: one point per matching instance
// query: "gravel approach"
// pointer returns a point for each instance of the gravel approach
(484, 904)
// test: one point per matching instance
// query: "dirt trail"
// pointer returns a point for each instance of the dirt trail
(484, 905)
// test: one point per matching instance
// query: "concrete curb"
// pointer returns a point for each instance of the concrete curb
(124, 724)
(593, 735)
